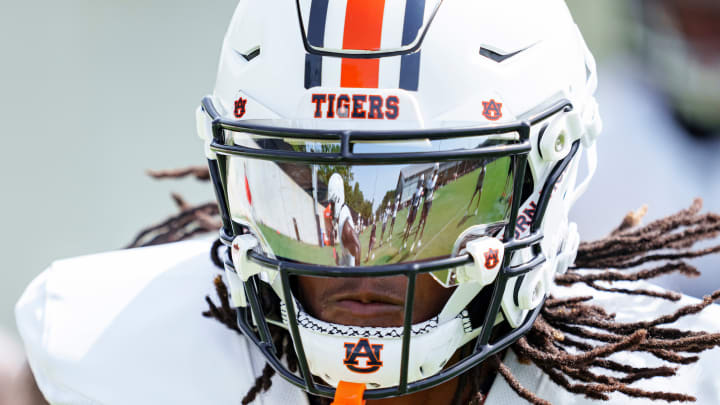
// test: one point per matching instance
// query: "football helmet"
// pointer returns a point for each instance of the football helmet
(336, 191)
(352, 102)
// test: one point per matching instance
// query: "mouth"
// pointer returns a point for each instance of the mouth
(361, 307)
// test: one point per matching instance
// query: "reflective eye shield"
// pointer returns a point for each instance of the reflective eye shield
(219, 125)
(346, 155)
(367, 215)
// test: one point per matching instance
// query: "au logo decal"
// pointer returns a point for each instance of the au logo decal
(492, 110)
(362, 349)
(240, 107)
(492, 258)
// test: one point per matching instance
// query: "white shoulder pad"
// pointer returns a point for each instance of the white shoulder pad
(126, 328)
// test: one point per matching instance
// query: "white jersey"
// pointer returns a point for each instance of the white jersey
(346, 259)
(418, 195)
(125, 328)
(430, 187)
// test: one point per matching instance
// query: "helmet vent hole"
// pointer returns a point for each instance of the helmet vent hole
(251, 53)
(588, 73)
(498, 56)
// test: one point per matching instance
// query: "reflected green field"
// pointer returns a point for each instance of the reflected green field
(293, 249)
(446, 220)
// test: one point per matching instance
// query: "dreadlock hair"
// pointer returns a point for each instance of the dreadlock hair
(191, 221)
(571, 336)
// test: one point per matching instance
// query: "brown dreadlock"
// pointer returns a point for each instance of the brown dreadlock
(571, 336)
(191, 221)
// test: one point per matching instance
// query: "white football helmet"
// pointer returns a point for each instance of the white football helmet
(314, 93)
(336, 192)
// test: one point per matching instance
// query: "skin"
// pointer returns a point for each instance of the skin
(18, 386)
(478, 189)
(24, 390)
(378, 302)
(412, 213)
(382, 233)
(392, 223)
(351, 242)
(423, 218)
(329, 228)
(372, 242)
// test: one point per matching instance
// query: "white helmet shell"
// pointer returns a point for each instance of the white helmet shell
(516, 59)
(336, 192)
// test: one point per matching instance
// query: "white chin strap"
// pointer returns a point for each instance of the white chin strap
(372, 356)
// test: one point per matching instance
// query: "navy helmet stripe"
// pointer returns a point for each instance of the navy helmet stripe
(410, 64)
(316, 37)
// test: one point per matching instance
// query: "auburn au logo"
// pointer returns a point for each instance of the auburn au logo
(492, 258)
(492, 110)
(362, 350)
(240, 107)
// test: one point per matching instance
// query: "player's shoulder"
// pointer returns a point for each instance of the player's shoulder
(188, 258)
(633, 308)
(105, 283)
(126, 327)
(698, 379)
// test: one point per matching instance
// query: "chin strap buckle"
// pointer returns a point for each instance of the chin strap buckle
(244, 268)
(348, 393)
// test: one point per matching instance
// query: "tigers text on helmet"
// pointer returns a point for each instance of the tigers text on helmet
(355, 103)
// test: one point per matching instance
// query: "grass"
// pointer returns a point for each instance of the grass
(293, 249)
(446, 220)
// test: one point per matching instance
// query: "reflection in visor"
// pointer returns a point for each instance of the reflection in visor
(367, 215)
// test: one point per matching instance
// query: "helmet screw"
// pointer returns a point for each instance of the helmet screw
(560, 142)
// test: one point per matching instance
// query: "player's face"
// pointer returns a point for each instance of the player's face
(376, 301)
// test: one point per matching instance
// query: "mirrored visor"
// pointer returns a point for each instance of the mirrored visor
(369, 215)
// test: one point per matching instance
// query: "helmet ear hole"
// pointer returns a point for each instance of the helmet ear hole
(555, 141)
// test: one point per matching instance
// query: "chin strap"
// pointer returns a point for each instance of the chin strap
(348, 393)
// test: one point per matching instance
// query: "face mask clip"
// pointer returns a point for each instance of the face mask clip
(244, 268)
(487, 254)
